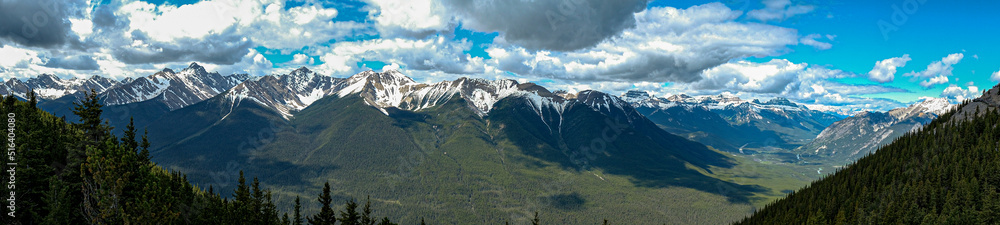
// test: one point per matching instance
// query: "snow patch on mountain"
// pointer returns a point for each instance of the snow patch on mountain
(48, 87)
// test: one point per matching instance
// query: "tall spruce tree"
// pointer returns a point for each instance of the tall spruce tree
(298, 212)
(349, 216)
(89, 110)
(326, 214)
(366, 213)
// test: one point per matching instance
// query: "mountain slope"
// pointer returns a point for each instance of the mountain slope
(946, 173)
(463, 151)
(853, 137)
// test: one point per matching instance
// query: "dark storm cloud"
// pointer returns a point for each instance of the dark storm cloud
(226, 48)
(561, 25)
(79, 62)
(104, 17)
(40, 23)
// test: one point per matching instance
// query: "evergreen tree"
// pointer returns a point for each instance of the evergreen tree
(366, 213)
(326, 215)
(349, 216)
(32, 99)
(257, 203)
(298, 210)
(89, 110)
(535, 221)
(105, 178)
(385, 221)
(144, 146)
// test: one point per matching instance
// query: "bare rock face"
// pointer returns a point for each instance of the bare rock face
(977, 107)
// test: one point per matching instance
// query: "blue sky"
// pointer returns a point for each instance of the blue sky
(834, 55)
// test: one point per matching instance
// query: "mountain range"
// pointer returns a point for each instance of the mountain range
(466, 150)
(729, 123)
(462, 151)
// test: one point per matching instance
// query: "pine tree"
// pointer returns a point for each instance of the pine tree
(257, 203)
(89, 110)
(366, 213)
(32, 99)
(535, 221)
(144, 146)
(349, 216)
(816, 218)
(326, 215)
(298, 210)
(385, 221)
(105, 178)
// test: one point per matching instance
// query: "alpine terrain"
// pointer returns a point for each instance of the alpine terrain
(851, 138)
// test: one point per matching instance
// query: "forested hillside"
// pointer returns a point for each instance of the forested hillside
(946, 173)
(79, 173)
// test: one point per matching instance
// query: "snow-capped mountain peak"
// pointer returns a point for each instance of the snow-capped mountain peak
(635, 96)
(49, 87)
(175, 89)
(935, 106)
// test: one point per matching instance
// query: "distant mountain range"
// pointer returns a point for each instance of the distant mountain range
(50, 87)
(732, 124)
(854, 137)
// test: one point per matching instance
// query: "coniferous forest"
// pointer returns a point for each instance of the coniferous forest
(81, 173)
(946, 173)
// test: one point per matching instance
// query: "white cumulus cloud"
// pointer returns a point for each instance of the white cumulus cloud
(435, 53)
(885, 70)
(410, 17)
(956, 94)
(938, 71)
